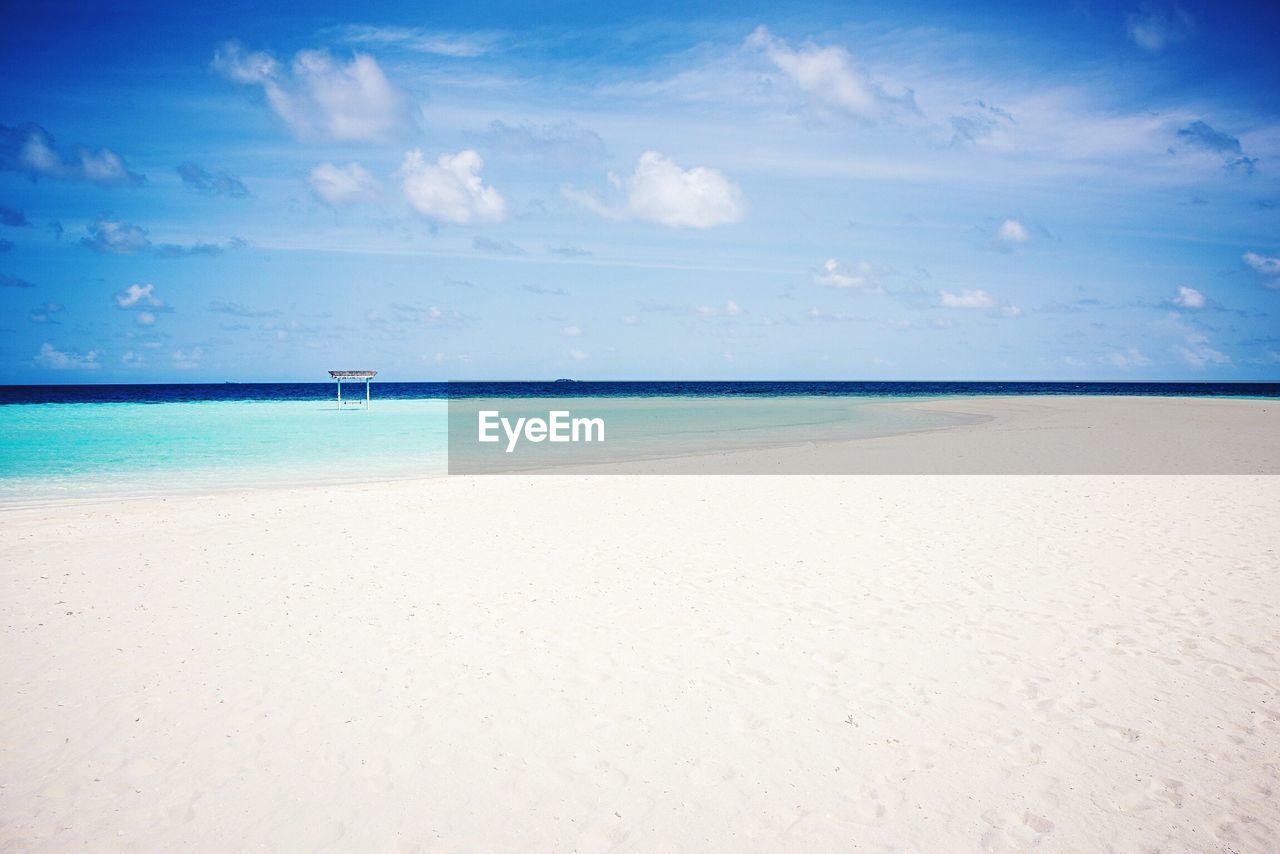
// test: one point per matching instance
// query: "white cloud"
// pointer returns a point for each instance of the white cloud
(342, 185)
(860, 275)
(421, 41)
(577, 355)
(1012, 231)
(188, 358)
(30, 149)
(730, 309)
(571, 331)
(139, 296)
(659, 191)
(1130, 358)
(320, 97)
(58, 360)
(828, 77)
(116, 237)
(1198, 354)
(967, 299)
(1195, 349)
(1188, 298)
(145, 318)
(450, 190)
(1265, 265)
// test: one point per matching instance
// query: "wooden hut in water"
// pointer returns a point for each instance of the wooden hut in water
(353, 375)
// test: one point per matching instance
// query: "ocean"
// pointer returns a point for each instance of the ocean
(77, 442)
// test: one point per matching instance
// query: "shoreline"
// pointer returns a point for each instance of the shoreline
(991, 438)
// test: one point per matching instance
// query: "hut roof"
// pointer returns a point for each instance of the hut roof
(346, 375)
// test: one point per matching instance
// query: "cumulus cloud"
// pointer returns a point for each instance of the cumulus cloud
(198, 179)
(1189, 298)
(450, 190)
(564, 145)
(1012, 231)
(338, 186)
(860, 276)
(1267, 266)
(140, 297)
(318, 96)
(661, 192)
(30, 150)
(577, 355)
(61, 360)
(828, 78)
(967, 298)
(571, 331)
(116, 237)
(1154, 28)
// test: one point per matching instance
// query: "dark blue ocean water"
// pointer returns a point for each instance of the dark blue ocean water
(196, 392)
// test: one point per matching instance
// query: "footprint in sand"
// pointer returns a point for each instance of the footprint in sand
(1158, 791)
(871, 805)
(1122, 732)
(1014, 831)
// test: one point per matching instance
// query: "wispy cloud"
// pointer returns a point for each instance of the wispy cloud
(496, 247)
(1202, 136)
(437, 43)
(828, 78)
(564, 145)
(236, 309)
(7, 281)
(1155, 27)
(200, 180)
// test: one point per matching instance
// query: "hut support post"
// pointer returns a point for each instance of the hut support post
(366, 392)
(339, 395)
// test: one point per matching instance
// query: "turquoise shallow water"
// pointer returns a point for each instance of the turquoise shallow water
(91, 450)
(57, 452)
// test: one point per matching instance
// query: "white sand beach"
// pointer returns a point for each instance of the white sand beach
(575, 663)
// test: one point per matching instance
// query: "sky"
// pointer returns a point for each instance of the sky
(450, 191)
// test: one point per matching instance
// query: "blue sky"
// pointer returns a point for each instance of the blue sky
(753, 191)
